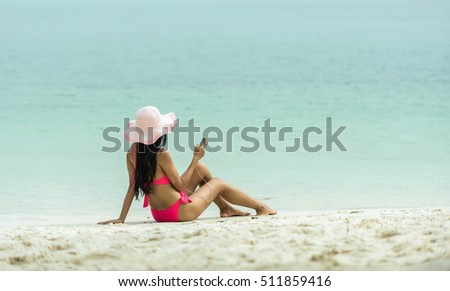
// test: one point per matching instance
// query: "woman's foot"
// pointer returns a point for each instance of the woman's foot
(265, 210)
(230, 211)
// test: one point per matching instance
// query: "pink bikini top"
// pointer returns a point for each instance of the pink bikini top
(164, 180)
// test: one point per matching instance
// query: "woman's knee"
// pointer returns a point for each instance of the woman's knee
(219, 183)
(204, 171)
(216, 179)
(202, 167)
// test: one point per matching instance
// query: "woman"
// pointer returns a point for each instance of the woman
(152, 173)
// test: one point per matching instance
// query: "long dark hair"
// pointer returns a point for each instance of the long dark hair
(146, 165)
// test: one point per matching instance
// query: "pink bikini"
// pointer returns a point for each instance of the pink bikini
(169, 214)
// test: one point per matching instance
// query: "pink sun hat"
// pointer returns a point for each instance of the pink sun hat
(149, 125)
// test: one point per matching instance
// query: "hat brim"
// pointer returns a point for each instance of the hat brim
(134, 134)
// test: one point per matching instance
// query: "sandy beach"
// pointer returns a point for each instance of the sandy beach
(391, 239)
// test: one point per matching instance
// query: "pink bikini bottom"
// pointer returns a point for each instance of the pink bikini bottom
(169, 214)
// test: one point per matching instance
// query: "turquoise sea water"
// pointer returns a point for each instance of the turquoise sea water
(70, 69)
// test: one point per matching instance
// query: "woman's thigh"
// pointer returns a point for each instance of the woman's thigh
(201, 199)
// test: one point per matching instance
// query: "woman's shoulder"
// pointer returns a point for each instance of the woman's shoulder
(164, 154)
(131, 151)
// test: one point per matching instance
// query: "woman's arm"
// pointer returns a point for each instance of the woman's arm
(128, 197)
(170, 170)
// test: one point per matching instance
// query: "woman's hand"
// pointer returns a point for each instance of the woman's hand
(113, 221)
(199, 151)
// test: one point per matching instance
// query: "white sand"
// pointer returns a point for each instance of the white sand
(411, 239)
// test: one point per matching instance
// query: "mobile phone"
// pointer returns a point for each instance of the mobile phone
(203, 141)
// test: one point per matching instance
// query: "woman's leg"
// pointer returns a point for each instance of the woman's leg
(199, 178)
(207, 193)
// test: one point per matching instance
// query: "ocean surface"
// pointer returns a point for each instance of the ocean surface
(69, 70)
